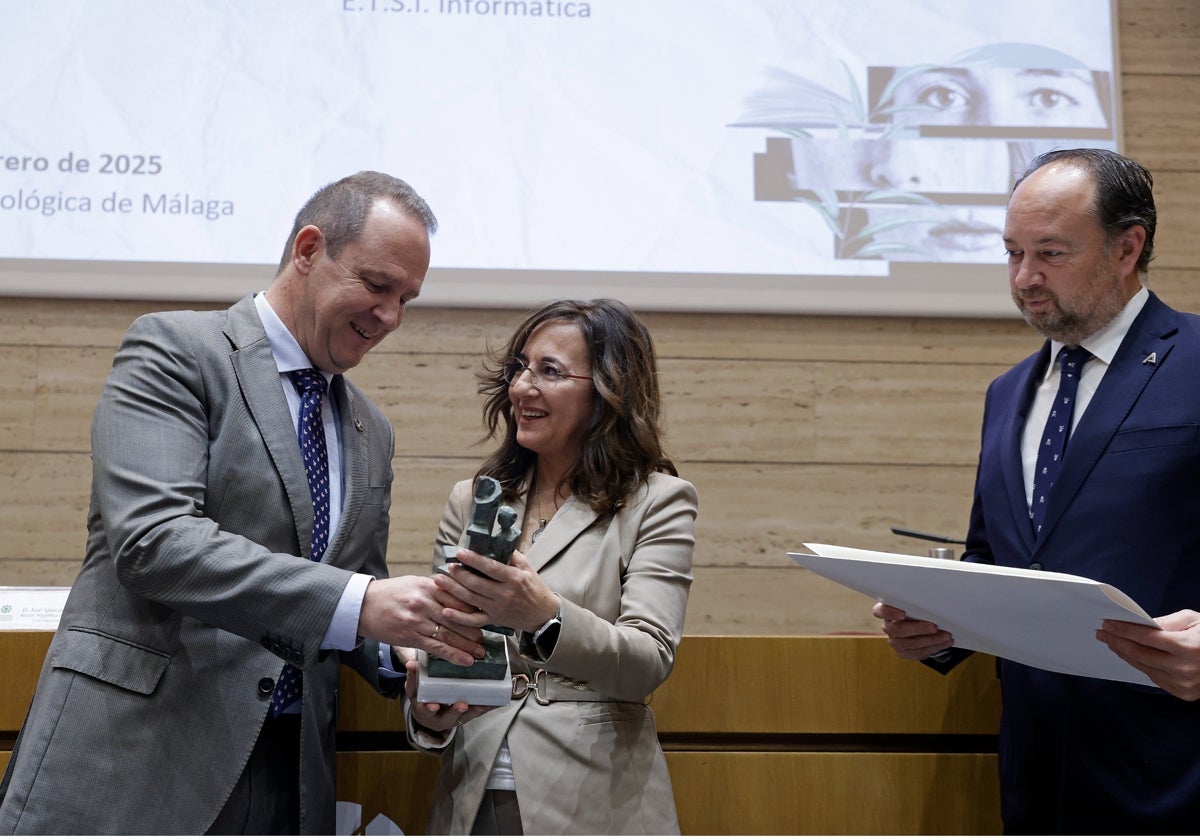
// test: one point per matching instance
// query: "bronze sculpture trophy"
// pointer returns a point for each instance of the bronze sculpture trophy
(489, 681)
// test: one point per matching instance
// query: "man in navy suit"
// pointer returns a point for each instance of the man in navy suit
(1081, 755)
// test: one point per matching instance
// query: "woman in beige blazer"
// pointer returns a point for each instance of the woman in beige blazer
(596, 589)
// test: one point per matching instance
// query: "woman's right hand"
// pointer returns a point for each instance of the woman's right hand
(508, 594)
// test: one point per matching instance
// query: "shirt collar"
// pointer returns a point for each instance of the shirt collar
(288, 353)
(1104, 342)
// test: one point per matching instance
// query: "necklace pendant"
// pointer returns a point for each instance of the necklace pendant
(541, 527)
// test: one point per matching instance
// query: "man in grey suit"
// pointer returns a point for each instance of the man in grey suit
(157, 710)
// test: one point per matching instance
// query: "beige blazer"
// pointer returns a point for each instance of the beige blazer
(591, 765)
(157, 682)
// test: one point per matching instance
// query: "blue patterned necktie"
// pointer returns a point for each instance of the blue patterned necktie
(311, 386)
(1053, 443)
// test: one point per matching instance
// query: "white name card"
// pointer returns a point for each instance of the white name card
(32, 607)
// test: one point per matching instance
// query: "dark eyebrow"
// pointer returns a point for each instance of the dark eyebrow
(552, 359)
(1080, 74)
(1052, 73)
(1048, 242)
(961, 72)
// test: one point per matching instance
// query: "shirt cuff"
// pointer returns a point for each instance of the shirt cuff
(424, 738)
(386, 661)
(343, 629)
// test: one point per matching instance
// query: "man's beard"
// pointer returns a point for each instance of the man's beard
(1104, 300)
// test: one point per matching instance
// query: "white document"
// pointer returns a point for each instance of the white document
(1043, 619)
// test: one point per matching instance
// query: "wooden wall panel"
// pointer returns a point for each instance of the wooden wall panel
(901, 414)
(884, 747)
(43, 507)
(1177, 240)
(18, 391)
(397, 785)
(70, 380)
(828, 338)
(896, 794)
(1162, 138)
(1158, 36)
(747, 793)
(1178, 287)
(865, 690)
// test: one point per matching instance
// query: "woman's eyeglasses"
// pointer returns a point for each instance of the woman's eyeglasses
(543, 374)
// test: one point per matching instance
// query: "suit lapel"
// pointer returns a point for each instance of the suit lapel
(354, 463)
(1152, 332)
(258, 378)
(571, 520)
(1013, 466)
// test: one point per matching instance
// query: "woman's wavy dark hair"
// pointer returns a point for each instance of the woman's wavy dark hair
(623, 442)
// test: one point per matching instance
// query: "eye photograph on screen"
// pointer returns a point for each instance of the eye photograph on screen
(829, 158)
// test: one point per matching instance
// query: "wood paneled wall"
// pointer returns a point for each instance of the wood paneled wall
(793, 428)
(885, 747)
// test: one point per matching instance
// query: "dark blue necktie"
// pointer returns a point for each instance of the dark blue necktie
(311, 386)
(1053, 444)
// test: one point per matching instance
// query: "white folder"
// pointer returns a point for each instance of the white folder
(1043, 619)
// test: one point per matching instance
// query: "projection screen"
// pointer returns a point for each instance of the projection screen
(759, 155)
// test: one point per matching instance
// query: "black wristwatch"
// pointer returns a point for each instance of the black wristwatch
(547, 637)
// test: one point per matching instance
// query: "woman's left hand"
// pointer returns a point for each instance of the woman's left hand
(438, 718)
(505, 594)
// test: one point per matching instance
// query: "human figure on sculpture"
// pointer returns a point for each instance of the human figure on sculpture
(163, 706)
(596, 589)
(1081, 755)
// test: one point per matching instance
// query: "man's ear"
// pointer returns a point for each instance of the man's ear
(1128, 247)
(307, 247)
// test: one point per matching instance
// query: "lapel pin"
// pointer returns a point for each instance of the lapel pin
(1152, 359)
(358, 424)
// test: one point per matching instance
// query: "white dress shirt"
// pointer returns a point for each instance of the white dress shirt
(289, 356)
(1103, 345)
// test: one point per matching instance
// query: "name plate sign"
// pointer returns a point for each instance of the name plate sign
(32, 607)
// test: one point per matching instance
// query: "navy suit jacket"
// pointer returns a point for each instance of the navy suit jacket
(1081, 755)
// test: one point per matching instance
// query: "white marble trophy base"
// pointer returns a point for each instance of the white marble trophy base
(476, 691)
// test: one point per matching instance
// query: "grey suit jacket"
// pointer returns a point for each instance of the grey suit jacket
(196, 589)
(590, 761)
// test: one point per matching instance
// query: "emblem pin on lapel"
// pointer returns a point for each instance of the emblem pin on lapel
(358, 424)
(1152, 359)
